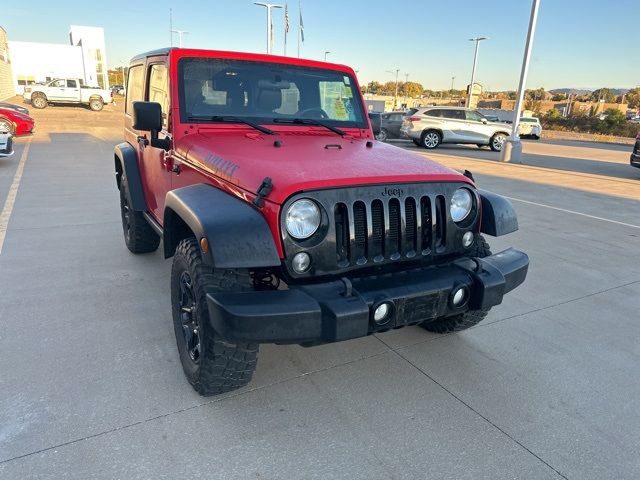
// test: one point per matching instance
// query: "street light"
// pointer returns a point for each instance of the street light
(473, 71)
(180, 33)
(395, 97)
(512, 147)
(268, 6)
(451, 91)
(325, 55)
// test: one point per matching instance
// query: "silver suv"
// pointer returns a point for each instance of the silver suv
(432, 126)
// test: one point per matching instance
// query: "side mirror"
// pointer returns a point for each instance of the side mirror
(376, 122)
(147, 116)
(484, 120)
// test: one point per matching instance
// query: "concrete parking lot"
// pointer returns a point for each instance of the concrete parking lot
(91, 385)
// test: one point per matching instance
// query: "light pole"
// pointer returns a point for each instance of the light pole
(451, 91)
(180, 33)
(512, 148)
(325, 55)
(268, 6)
(406, 89)
(395, 97)
(473, 70)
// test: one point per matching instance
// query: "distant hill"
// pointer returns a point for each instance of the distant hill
(571, 91)
(585, 91)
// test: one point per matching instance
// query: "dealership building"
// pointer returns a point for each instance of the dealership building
(84, 58)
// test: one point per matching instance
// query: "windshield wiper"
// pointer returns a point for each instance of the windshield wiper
(227, 119)
(309, 121)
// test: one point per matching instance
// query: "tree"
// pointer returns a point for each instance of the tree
(633, 98)
(553, 114)
(558, 97)
(614, 117)
(373, 87)
(410, 89)
(535, 95)
(602, 94)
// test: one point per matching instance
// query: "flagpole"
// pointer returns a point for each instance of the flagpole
(286, 25)
(299, 26)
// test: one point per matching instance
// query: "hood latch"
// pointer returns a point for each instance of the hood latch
(263, 191)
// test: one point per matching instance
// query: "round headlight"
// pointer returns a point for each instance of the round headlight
(303, 219)
(461, 204)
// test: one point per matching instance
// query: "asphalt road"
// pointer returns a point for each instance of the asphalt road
(91, 385)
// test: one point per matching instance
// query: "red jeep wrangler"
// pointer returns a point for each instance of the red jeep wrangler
(287, 222)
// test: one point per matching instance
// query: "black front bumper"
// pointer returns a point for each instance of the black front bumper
(342, 309)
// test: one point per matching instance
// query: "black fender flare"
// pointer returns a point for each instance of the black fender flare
(126, 161)
(237, 233)
(498, 215)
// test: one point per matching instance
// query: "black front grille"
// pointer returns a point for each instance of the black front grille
(376, 225)
(636, 148)
(399, 228)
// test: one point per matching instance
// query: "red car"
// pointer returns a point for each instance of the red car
(287, 221)
(15, 122)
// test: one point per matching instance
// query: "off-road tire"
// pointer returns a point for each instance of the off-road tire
(430, 139)
(494, 144)
(39, 100)
(6, 125)
(138, 234)
(96, 104)
(467, 319)
(221, 365)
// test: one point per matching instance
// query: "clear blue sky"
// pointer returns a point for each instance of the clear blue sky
(579, 43)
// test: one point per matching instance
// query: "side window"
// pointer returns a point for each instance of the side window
(57, 83)
(474, 116)
(158, 89)
(72, 84)
(134, 87)
(454, 114)
(434, 113)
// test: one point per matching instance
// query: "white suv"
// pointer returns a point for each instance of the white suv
(432, 126)
(530, 127)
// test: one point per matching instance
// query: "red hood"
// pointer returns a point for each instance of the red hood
(307, 160)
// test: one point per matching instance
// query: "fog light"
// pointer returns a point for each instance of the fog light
(467, 239)
(459, 297)
(381, 313)
(301, 262)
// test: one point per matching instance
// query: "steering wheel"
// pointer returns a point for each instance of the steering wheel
(315, 112)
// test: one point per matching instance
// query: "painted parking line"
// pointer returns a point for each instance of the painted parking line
(5, 216)
(572, 212)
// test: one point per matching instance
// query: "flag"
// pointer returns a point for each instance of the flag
(286, 18)
(301, 27)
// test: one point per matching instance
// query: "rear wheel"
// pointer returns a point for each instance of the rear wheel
(6, 125)
(431, 139)
(96, 104)
(38, 100)
(212, 364)
(138, 234)
(469, 318)
(497, 142)
(383, 135)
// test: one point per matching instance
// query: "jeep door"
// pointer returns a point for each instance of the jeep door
(149, 82)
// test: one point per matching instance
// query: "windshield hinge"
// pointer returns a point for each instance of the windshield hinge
(263, 191)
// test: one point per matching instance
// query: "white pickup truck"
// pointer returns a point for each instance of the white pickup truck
(67, 90)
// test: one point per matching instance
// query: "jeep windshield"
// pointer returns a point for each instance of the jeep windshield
(213, 89)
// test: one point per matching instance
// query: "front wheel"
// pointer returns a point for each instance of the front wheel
(497, 142)
(6, 126)
(96, 104)
(431, 139)
(469, 318)
(212, 364)
(138, 234)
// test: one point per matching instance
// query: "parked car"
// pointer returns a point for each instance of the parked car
(530, 127)
(635, 154)
(286, 222)
(17, 108)
(15, 122)
(391, 123)
(430, 127)
(6, 143)
(118, 89)
(67, 90)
